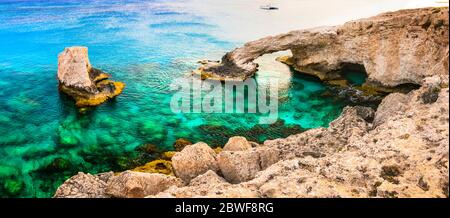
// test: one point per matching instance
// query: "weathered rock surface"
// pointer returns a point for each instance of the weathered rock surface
(194, 160)
(237, 143)
(82, 186)
(242, 165)
(211, 185)
(87, 85)
(238, 166)
(131, 184)
(395, 48)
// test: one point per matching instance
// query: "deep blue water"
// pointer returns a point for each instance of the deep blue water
(146, 44)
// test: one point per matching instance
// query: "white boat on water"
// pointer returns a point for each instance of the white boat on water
(268, 7)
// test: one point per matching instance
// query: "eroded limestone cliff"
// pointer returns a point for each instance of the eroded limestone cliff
(394, 48)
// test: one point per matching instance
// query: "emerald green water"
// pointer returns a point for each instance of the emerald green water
(355, 77)
(146, 44)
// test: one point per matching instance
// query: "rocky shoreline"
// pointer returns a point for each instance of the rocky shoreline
(398, 150)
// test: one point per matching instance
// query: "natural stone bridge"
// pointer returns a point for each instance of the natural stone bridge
(394, 48)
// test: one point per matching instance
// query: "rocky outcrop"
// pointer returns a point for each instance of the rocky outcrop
(82, 186)
(127, 184)
(131, 184)
(208, 184)
(242, 165)
(194, 160)
(237, 143)
(87, 85)
(394, 48)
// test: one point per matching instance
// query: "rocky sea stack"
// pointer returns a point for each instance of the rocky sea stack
(87, 85)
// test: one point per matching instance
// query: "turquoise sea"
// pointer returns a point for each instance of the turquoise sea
(146, 44)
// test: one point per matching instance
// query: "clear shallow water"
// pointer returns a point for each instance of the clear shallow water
(146, 44)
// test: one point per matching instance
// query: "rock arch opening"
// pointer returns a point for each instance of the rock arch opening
(354, 74)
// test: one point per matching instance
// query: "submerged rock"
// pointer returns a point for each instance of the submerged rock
(13, 187)
(87, 85)
(156, 166)
(180, 143)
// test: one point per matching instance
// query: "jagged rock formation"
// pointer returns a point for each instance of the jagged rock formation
(399, 150)
(87, 85)
(395, 48)
(404, 156)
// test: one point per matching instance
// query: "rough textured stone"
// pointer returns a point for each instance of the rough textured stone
(194, 160)
(392, 104)
(87, 85)
(82, 186)
(131, 184)
(395, 48)
(105, 176)
(74, 67)
(237, 143)
(241, 166)
(211, 185)
(238, 166)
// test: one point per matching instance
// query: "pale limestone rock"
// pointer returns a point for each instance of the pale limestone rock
(87, 85)
(395, 48)
(82, 186)
(130, 184)
(209, 184)
(238, 166)
(392, 104)
(237, 143)
(241, 166)
(194, 160)
(267, 156)
(105, 176)
(74, 68)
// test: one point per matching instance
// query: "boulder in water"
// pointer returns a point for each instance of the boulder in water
(87, 85)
